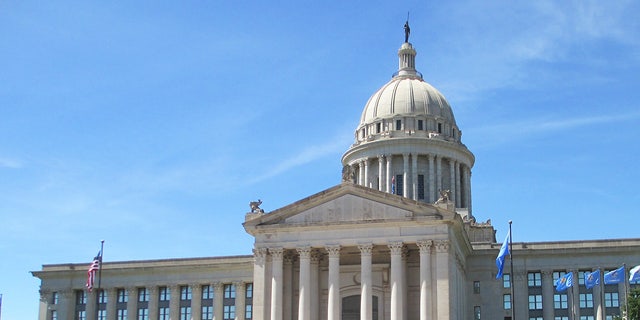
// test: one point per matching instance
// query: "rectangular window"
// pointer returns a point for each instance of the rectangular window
(439, 127)
(81, 315)
(586, 300)
(229, 312)
(229, 291)
(506, 301)
(143, 295)
(421, 187)
(534, 279)
(163, 313)
(165, 294)
(586, 317)
(54, 315)
(611, 299)
(102, 314)
(81, 297)
(561, 318)
(535, 302)
(123, 296)
(560, 301)
(143, 314)
(581, 278)
(476, 287)
(536, 318)
(476, 313)
(506, 280)
(102, 296)
(207, 292)
(378, 125)
(398, 124)
(185, 313)
(185, 293)
(400, 185)
(121, 314)
(249, 291)
(248, 312)
(420, 125)
(207, 313)
(55, 298)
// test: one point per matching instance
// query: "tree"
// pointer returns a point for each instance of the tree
(633, 305)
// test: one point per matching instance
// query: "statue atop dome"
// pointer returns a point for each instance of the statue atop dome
(407, 31)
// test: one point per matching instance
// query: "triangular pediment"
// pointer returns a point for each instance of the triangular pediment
(347, 203)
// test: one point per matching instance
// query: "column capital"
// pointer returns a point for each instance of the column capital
(239, 284)
(396, 247)
(380, 157)
(333, 250)
(304, 252)
(425, 245)
(442, 245)
(288, 257)
(405, 154)
(315, 256)
(365, 249)
(153, 291)
(259, 255)
(217, 285)
(276, 253)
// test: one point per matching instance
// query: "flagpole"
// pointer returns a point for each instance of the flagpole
(603, 305)
(513, 295)
(98, 292)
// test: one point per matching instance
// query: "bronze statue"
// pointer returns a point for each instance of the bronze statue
(407, 31)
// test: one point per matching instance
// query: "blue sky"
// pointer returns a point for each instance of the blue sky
(152, 125)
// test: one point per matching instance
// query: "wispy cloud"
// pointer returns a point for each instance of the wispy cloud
(496, 134)
(10, 163)
(304, 156)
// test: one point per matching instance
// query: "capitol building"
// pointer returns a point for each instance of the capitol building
(395, 240)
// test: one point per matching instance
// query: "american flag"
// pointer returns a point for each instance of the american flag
(93, 269)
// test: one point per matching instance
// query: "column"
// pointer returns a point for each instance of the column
(389, 172)
(432, 180)
(315, 290)
(153, 302)
(521, 300)
(174, 302)
(426, 310)
(287, 304)
(91, 306)
(65, 308)
(380, 172)
(405, 175)
(366, 173)
(414, 175)
(468, 187)
(196, 300)
(395, 281)
(452, 180)
(240, 299)
(276, 283)
(365, 282)
(547, 294)
(132, 292)
(361, 172)
(333, 297)
(112, 300)
(259, 288)
(218, 300)
(458, 194)
(438, 174)
(442, 283)
(304, 306)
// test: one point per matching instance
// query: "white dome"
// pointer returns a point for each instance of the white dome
(407, 96)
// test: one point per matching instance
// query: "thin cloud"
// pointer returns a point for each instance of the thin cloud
(10, 163)
(495, 134)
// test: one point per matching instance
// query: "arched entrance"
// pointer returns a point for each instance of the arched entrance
(351, 308)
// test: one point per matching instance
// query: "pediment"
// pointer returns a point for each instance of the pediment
(347, 204)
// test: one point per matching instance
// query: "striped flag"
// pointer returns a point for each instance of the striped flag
(93, 269)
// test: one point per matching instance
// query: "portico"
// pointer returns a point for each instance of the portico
(388, 257)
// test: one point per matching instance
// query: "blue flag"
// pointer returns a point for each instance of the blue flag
(564, 282)
(504, 252)
(592, 279)
(634, 274)
(614, 276)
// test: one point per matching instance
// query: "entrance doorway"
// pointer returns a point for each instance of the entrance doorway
(351, 308)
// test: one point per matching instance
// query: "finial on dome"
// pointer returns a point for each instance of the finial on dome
(407, 30)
